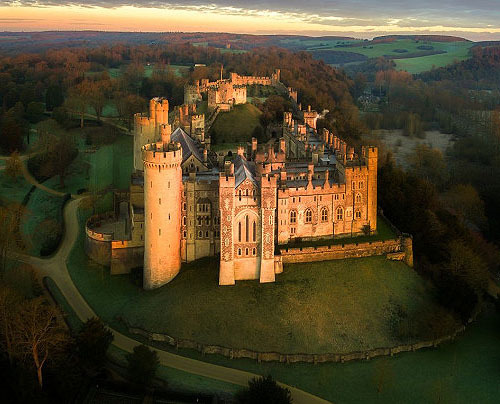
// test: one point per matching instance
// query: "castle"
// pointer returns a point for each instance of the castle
(185, 204)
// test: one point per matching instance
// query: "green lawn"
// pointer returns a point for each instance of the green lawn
(42, 224)
(237, 125)
(337, 306)
(464, 371)
(13, 190)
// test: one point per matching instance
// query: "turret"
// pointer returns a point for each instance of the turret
(162, 211)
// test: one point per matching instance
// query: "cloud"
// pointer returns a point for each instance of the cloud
(462, 15)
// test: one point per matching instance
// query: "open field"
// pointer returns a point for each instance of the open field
(337, 306)
(401, 146)
(237, 125)
(339, 52)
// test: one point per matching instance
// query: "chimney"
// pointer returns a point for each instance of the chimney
(282, 145)
(205, 155)
(308, 108)
(283, 175)
(254, 144)
(351, 153)
(327, 175)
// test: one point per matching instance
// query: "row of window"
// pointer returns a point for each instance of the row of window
(240, 194)
(202, 220)
(247, 251)
(323, 215)
(202, 234)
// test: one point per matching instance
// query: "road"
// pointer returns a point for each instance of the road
(55, 268)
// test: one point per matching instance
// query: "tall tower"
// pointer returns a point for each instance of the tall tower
(371, 156)
(162, 210)
(147, 128)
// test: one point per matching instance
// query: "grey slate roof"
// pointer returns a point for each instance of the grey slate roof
(242, 171)
(188, 144)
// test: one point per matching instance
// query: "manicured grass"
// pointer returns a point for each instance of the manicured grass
(13, 190)
(463, 371)
(237, 125)
(43, 221)
(384, 232)
(179, 380)
(71, 317)
(337, 306)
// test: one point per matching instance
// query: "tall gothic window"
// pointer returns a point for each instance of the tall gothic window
(358, 198)
(324, 215)
(254, 231)
(239, 231)
(308, 216)
(340, 213)
(293, 217)
(246, 229)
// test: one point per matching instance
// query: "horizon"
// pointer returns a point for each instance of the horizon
(363, 19)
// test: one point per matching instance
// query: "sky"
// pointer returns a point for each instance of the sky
(472, 19)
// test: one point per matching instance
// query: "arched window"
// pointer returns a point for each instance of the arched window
(200, 234)
(207, 221)
(200, 220)
(239, 231)
(340, 213)
(246, 229)
(358, 198)
(308, 216)
(293, 217)
(239, 194)
(239, 251)
(183, 220)
(254, 231)
(324, 215)
(357, 214)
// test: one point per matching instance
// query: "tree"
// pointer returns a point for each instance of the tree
(13, 166)
(9, 302)
(61, 153)
(10, 235)
(38, 334)
(465, 202)
(34, 111)
(142, 365)
(93, 341)
(53, 97)
(428, 163)
(128, 105)
(264, 390)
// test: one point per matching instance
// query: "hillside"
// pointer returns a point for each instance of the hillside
(236, 126)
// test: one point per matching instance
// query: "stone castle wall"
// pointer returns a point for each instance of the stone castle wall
(398, 249)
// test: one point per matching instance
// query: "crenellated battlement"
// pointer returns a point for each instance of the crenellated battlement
(160, 154)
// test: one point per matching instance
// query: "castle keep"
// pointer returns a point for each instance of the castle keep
(185, 204)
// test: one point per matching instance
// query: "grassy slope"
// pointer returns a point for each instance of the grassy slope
(177, 379)
(337, 306)
(236, 125)
(466, 369)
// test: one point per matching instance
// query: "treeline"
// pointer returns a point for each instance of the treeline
(481, 71)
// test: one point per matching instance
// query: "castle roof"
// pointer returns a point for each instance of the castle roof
(242, 171)
(188, 144)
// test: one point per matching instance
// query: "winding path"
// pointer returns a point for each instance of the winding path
(55, 268)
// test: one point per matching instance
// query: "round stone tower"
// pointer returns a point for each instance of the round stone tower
(162, 210)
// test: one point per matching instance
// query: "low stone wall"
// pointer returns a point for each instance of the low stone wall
(233, 353)
(97, 244)
(396, 249)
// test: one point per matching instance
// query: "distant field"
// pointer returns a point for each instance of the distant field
(419, 53)
(148, 71)
(237, 125)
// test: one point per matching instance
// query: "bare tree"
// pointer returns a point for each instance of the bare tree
(38, 334)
